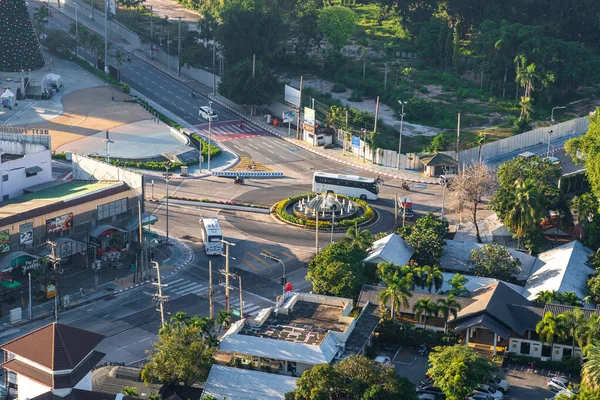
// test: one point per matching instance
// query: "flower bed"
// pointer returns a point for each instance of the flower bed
(280, 209)
(229, 203)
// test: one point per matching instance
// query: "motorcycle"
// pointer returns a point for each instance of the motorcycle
(242, 124)
(405, 186)
(238, 181)
(193, 95)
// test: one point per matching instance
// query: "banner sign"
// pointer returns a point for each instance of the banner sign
(4, 241)
(14, 129)
(59, 224)
(31, 264)
(309, 116)
(356, 142)
(26, 233)
(292, 96)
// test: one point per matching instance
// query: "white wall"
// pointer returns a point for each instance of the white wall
(17, 179)
(28, 389)
(536, 349)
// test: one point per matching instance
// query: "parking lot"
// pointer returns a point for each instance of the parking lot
(524, 384)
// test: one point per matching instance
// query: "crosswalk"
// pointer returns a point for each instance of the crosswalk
(180, 287)
(231, 131)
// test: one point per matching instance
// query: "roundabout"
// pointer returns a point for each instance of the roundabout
(329, 210)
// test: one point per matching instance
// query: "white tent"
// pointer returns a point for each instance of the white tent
(8, 98)
(50, 80)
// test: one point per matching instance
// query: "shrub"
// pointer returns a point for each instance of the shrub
(59, 156)
(356, 95)
(405, 334)
(126, 88)
(338, 88)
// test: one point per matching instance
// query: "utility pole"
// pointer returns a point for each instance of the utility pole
(168, 49)
(151, 33)
(179, 47)
(241, 300)
(402, 103)
(443, 184)
(29, 307)
(76, 31)
(141, 240)
(226, 273)
(167, 176)
(159, 298)
(209, 133)
(108, 142)
(211, 292)
(55, 260)
(458, 144)
(332, 225)
(376, 115)
(270, 256)
(396, 209)
(317, 232)
(299, 109)
(549, 137)
(106, 38)
(214, 69)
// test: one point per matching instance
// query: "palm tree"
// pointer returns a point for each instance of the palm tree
(356, 237)
(155, 396)
(223, 319)
(547, 296)
(119, 57)
(431, 277)
(570, 322)
(130, 391)
(523, 217)
(395, 295)
(548, 328)
(425, 308)
(588, 334)
(570, 298)
(447, 307)
(591, 367)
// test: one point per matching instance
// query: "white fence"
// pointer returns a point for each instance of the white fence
(385, 158)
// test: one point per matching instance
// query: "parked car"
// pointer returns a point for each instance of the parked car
(427, 396)
(480, 396)
(499, 384)
(385, 360)
(431, 390)
(496, 394)
(565, 392)
(557, 383)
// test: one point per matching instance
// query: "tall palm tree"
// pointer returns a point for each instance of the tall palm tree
(432, 277)
(425, 308)
(523, 217)
(548, 327)
(570, 298)
(119, 57)
(447, 307)
(570, 322)
(130, 391)
(591, 368)
(395, 295)
(223, 319)
(356, 237)
(587, 335)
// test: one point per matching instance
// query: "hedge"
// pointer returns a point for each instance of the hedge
(59, 156)
(151, 165)
(230, 202)
(568, 364)
(280, 209)
(214, 150)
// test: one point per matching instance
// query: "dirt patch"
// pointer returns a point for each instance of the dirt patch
(433, 91)
(88, 111)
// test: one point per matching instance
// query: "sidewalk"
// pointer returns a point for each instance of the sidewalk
(110, 282)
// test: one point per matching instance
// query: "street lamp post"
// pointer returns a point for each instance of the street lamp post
(179, 47)
(209, 133)
(549, 136)
(151, 34)
(552, 115)
(443, 184)
(274, 258)
(76, 31)
(401, 125)
(106, 38)
(167, 176)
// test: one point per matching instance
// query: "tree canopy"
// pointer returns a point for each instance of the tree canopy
(355, 377)
(239, 85)
(337, 23)
(584, 150)
(494, 261)
(427, 237)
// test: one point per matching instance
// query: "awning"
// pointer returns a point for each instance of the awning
(102, 229)
(33, 170)
(485, 321)
(14, 259)
(147, 219)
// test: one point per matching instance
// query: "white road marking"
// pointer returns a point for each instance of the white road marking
(268, 159)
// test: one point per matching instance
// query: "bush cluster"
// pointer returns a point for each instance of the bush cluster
(281, 207)
(214, 150)
(407, 335)
(568, 364)
(59, 156)
(229, 202)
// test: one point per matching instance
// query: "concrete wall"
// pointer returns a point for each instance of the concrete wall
(28, 389)
(201, 75)
(535, 349)
(22, 142)
(17, 180)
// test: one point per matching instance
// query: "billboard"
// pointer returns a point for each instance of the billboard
(59, 224)
(309, 116)
(356, 142)
(292, 96)
(4, 241)
(26, 234)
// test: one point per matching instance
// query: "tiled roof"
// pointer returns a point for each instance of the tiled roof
(22, 368)
(78, 394)
(557, 309)
(113, 379)
(370, 293)
(55, 346)
(436, 159)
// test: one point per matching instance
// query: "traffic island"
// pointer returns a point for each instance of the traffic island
(306, 210)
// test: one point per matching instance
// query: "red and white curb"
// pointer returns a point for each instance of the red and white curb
(187, 262)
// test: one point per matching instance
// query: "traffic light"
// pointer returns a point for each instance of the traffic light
(282, 280)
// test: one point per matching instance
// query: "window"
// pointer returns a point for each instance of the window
(567, 352)
(525, 348)
(112, 209)
(546, 351)
(5, 178)
(5, 197)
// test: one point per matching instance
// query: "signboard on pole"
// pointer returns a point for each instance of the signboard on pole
(113, 7)
(309, 116)
(292, 96)
(288, 117)
(356, 142)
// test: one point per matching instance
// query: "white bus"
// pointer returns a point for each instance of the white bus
(348, 185)
(212, 236)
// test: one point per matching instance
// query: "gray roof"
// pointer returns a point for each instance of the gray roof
(557, 309)
(242, 384)
(473, 283)
(369, 293)
(112, 379)
(562, 269)
(436, 160)
(497, 300)
(391, 248)
(483, 320)
(456, 258)
(366, 323)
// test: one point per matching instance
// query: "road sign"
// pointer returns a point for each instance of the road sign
(356, 142)
(235, 312)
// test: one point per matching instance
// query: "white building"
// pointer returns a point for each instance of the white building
(25, 161)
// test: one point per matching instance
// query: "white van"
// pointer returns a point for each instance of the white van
(208, 114)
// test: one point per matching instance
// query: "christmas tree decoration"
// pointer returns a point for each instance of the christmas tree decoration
(19, 46)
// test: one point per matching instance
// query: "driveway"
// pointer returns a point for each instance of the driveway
(409, 363)
(526, 385)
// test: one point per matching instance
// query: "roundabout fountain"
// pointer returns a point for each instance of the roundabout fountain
(326, 208)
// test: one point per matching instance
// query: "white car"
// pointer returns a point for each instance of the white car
(557, 383)
(208, 114)
(487, 389)
(383, 360)
(480, 396)
(427, 396)
(564, 392)
(499, 384)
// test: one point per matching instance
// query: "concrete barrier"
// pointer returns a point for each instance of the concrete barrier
(247, 174)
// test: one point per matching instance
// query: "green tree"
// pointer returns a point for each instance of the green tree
(587, 335)
(239, 86)
(338, 270)
(321, 382)
(58, 41)
(19, 44)
(41, 14)
(119, 57)
(446, 307)
(590, 372)
(425, 308)
(458, 282)
(396, 294)
(130, 391)
(429, 277)
(526, 212)
(469, 189)
(357, 238)
(588, 218)
(494, 261)
(427, 237)
(593, 287)
(548, 328)
(337, 23)
(569, 323)
(584, 150)
(548, 296)
(458, 369)
(183, 352)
